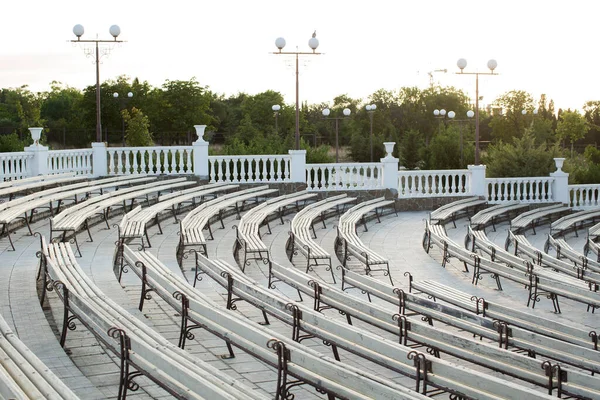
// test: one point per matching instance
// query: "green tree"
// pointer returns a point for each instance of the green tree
(520, 157)
(138, 133)
(571, 126)
(511, 122)
(411, 149)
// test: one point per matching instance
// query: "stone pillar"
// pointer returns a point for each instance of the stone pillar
(39, 163)
(560, 185)
(200, 155)
(478, 185)
(390, 168)
(99, 159)
(298, 166)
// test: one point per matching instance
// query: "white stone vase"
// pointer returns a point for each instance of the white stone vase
(559, 163)
(36, 134)
(389, 148)
(200, 132)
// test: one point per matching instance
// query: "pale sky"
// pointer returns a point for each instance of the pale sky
(540, 46)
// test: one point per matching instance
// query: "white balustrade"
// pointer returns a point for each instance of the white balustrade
(425, 183)
(250, 169)
(350, 176)
(61, 161)
(167, 160)
(15, 165)
(525, 190)
(584, 196)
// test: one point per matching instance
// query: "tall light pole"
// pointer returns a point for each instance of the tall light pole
(370, 110)
(115, 31)
(122, 104)
(470, 115)
(313, 43)
(276, 109)
(491, 64)
(534, 112)
(439, 114)
(326, 113)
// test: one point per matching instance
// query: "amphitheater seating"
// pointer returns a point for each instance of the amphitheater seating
(302, 231)
(19, 208)
(574, 222)
(300, 361)
(37, 183)
(565, 251)
(23, 375)
(191, 227)
(530, 219)
(494, 214)
(248, 239)
(536, 284)
(348, 243)
(72, 219)
(455, 209)
(140, 349)
(135, 224)
(414, 333)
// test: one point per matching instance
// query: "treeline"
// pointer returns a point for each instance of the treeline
(515, 140)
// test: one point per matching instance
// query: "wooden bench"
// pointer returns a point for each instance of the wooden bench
(538, 285)
(583, 276)
(18, 209)
(565, 273)
(565, 251)
(413, 333)
(348, 243)
(290, 357)
(23, 375)
(75, 218)
(302, 231)
(139, 349)
(11, 189)
(578, 351)
(531, 218)
(136, 225)
(570, 333)
(455, 209)
(248, 239)
(574, 222)
(191, 227)
(494, 214)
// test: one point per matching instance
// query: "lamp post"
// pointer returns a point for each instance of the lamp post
(276, 109)
(115, 31)
(439, 114)
(491, 64)
(534, 112)
(122, 103)
(313, 43)
(370, 110)
(326, 113)
(470, 115)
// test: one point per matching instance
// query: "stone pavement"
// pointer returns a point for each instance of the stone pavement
(92, 373)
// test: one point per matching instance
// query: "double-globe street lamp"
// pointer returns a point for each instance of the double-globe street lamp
(123, 101)
(439, 114)
(313, 43)
(115, 31)
(491, 64)
(470, 115)
(326, 113)
(371, 110)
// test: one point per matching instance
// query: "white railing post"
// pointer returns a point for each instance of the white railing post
(298, 166)
(99, 159)
(200, 149)
(478, 182)
(390, 168)
(560, 184)
(39, 162)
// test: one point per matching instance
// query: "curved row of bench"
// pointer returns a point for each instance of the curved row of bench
(139, 348)
(23, 375)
